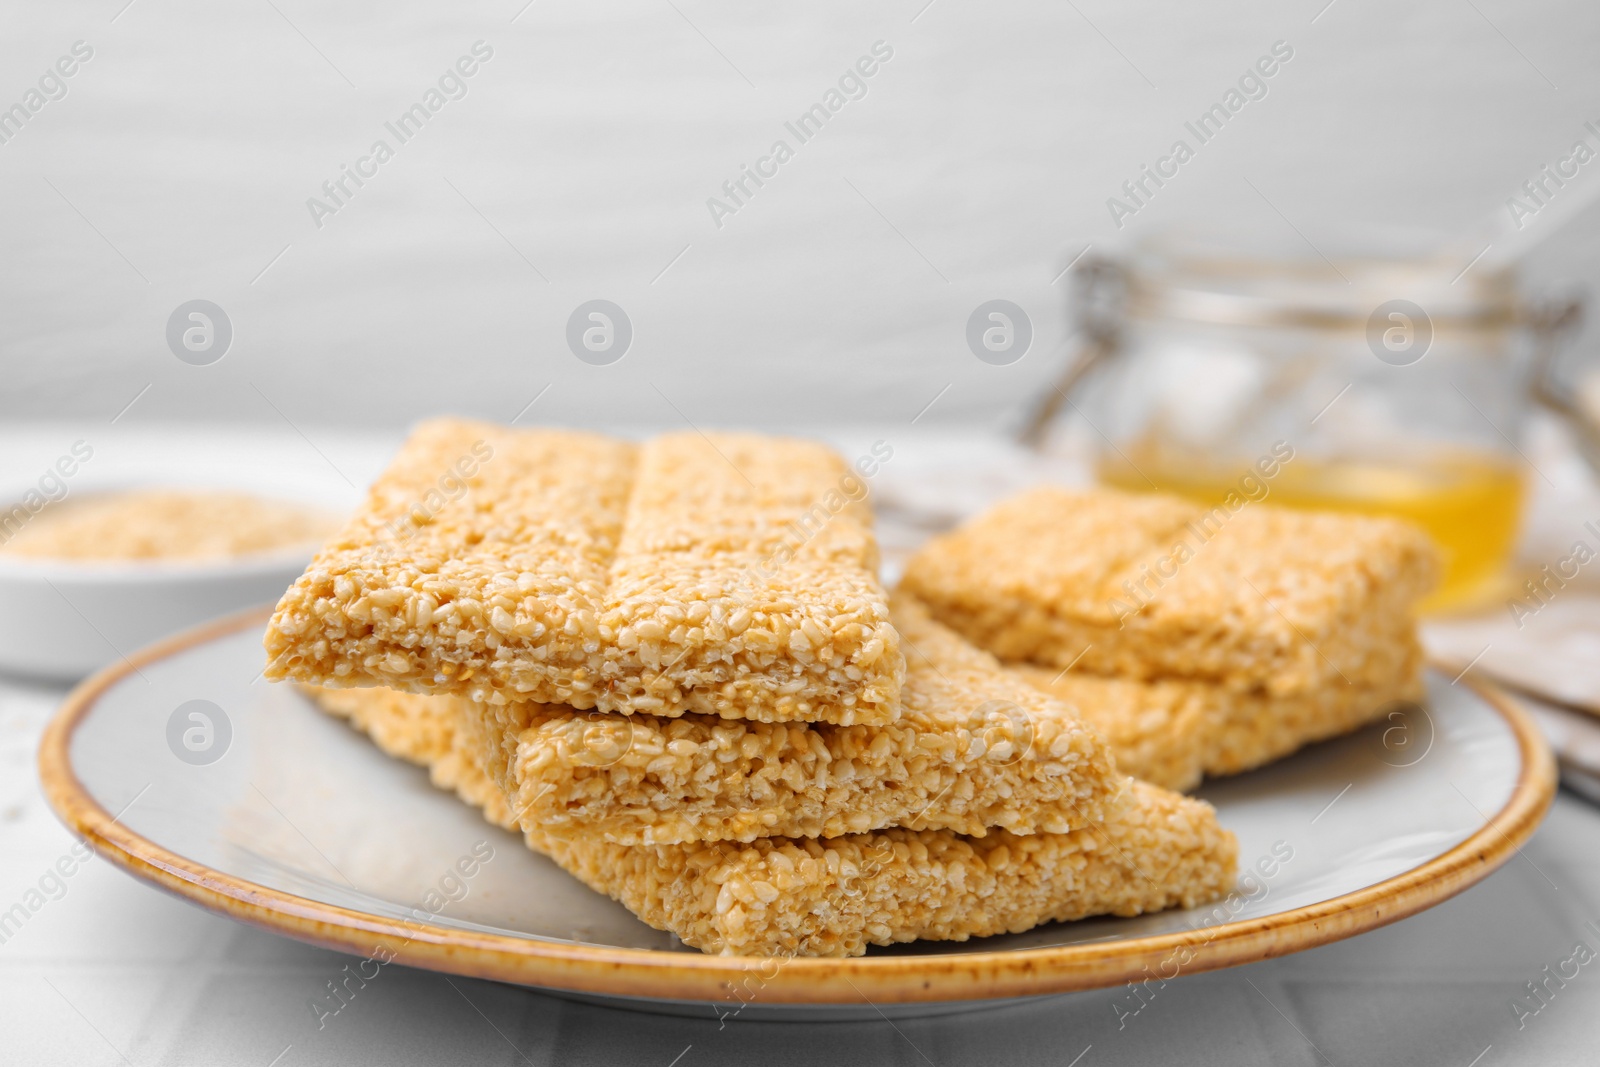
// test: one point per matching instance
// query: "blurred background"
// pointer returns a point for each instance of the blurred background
(580, 161)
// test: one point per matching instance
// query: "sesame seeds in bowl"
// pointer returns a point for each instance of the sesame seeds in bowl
(91, 575)
(164, 524)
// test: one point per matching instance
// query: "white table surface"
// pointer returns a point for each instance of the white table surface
(115, 971)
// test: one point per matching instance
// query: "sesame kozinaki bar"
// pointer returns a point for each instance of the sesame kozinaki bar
(1150, 586)
(725, 574)
(975, 747)
(1172, 732)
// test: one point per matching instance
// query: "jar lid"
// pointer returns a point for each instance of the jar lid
(1223, 288)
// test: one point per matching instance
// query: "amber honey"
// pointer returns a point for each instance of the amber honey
(1469, 503)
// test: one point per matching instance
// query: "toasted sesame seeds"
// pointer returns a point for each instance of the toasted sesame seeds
(685, 575)
(1149, 586)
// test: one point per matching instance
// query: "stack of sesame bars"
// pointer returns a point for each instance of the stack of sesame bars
(1199, 641)
(672, 667)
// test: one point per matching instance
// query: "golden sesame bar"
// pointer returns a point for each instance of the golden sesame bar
(730, 575)
(1173, 732)
(836, 896)
(1150, 586)
(974, 747)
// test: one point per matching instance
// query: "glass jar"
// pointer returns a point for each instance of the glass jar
(1380, 386)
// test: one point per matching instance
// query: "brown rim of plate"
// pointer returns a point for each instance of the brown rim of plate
(683, 976)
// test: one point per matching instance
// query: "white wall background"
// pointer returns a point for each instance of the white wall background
(978, 164)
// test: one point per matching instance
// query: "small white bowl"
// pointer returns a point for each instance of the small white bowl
(64, 619)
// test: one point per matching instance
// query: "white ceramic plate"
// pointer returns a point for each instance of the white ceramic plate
(284, 817)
